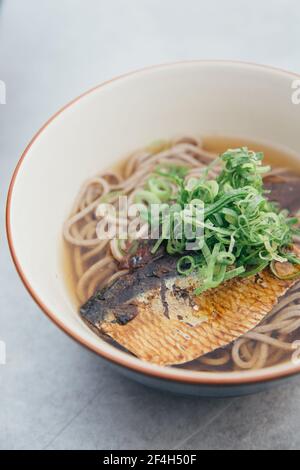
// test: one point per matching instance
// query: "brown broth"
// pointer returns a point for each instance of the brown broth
(276, 157)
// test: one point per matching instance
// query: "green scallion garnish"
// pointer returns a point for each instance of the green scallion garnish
(241, 231)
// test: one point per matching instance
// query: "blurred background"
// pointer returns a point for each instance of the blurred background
(54, 394)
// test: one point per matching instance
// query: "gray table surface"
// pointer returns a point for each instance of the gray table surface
(53, 393)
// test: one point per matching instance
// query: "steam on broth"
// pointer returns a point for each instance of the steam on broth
(92, 264)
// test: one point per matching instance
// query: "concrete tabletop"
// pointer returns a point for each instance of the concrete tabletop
(53, 393)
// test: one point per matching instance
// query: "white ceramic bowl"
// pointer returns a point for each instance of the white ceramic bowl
(92, 133)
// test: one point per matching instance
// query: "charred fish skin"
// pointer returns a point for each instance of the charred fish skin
(117, 303)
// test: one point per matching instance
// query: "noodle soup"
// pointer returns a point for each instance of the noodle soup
(92, 264)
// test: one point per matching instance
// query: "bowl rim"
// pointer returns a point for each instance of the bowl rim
(139, 366)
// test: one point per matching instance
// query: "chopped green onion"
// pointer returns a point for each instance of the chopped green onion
(146, 196)
(160, 188)
(186, 265)
(285, 277)
(232, 226)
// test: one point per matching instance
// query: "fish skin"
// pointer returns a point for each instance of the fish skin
(133, 312)
(106, 305)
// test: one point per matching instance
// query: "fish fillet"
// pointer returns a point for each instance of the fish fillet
(154, 314)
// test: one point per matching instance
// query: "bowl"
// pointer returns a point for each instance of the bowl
(91, 134)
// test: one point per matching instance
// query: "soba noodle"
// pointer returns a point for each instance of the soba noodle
(96, 262)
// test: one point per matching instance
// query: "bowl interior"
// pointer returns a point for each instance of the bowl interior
(92, 134)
